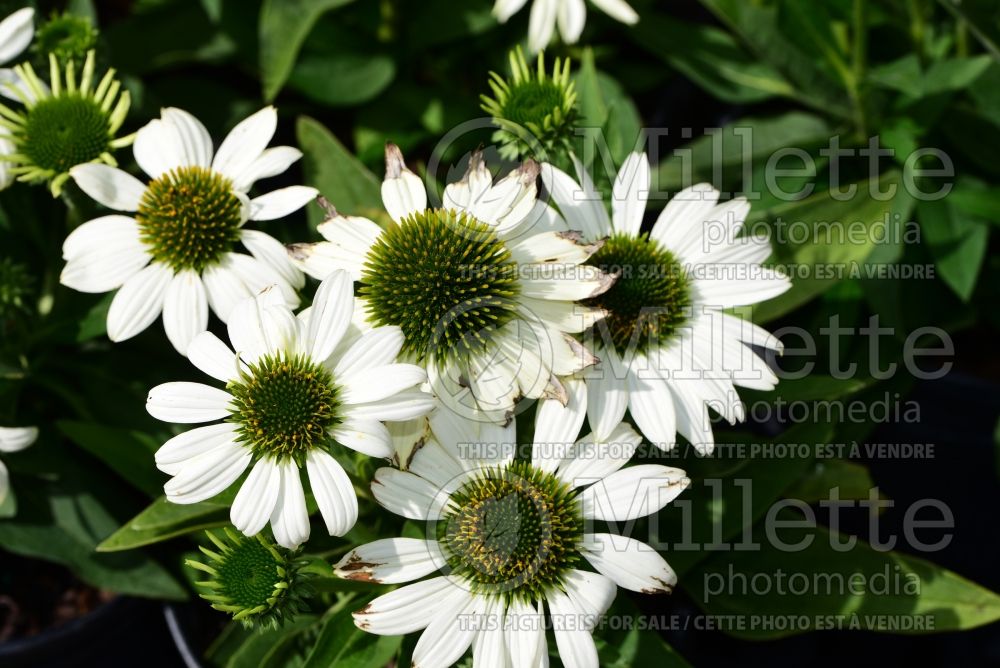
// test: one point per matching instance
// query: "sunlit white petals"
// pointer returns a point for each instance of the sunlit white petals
(402, 191)
(225, 290)
(408, 608)
(628, 197)
(330, 315)
(185, 309)
(139, 302)
(391, 561)
(15, 439)
(245, 143)
(632, 492)
(630, 563)
(272, 252)
(255, 502)
(173, 454)
(334, 492)
(369, 437)
(290, 519)
(280, 203)
(16, 32)
(569, 15)
(207, 475)
(186, 403)
(271, 162)
(407, 495)
(116, 189)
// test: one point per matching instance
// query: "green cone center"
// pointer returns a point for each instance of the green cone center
(533, 101)
(248, 575)
(651, 298)
(285, 406)
(445, 279)
(512, 531)
(64, 131)
(189, 217)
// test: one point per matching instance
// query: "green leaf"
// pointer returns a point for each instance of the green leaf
(893, 586)
(711, 58)
(852, 480)
(636, 646)
(284, 26)
(8, 503)
(128, 453)
(830, 256)
(331, 168)
(94, 323)
(343, 79)
(958, 244)
(163, 520)
(341, 643)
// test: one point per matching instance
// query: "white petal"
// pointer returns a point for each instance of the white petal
(354, 234)
(101, 235)
(489, 646)
(629, 194)
(368, 437)
(618, 10)
(632, 492)
(651, 404)
(630, 563)
(257, 497)
(593, 459)
(376, 347)
(139, 301)
(258, 276)
(106, 268)
(552, 248)
(158, 148)
(172, 455)
(571, 19)
(280, 203)
(271, 162)
(767, 284)
(225, 290)
(403, 192)
(290, 519)
(263, 325)
(381, 382)
(541, 24)
(4, 483)
(15, 439)
(579, 204)
(682, 221)
(185, 309)
(186, 403)
(562, 282)
(330, 316)
(449, 635)
(407, 495)
(443, 467)
(607, 396)
(557, 426)
(273, 253)
(526, 634)
(16, 32)
(245, 143)
(391, 561)
(333, 491)
(409, 608)
(195, 142)
(504, 9)
(405, 405)
(110, 186)
(575, 613)
(213, 357)
(206, 475)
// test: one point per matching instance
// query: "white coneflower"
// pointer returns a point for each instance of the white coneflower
(509, 539)
(13, 439)
(176, 254)
(485, 300)
(668, 350)
(569, 15)
(292, 397)
(70, 122)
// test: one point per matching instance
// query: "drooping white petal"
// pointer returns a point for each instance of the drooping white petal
(629, 194)
(541, 24)
(195, 142)
(489, 646)
(110, 186)
(16, 32)
(450, 634)
(225, 290)
(280, 203)
(403, 192)
(630, 563)
(15, 439)
(571, 19)
(391, 561)
(206, 475)
(272, 252)
(445, 468)
(632, 492)
(407, 495)
(185, 309)
(185, 402)
(290, 519)
(557, 426)
(333, 491)
(409, 608)
(173, 454)
(607, 397)
(100, 235)
(245, 143)
(526, 634)
(575, 613)
(651, 404)
(565, 283)
(211, 356)
(618, 10)
(369, 437)
(263, 325)
(330, 316)
(139, 301)
(725, 293)
(255, 501)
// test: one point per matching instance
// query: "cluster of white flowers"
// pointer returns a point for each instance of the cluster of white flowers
(431, 328)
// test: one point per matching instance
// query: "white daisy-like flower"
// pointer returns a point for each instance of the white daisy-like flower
(667, 347)
(13, 439)
(16, 33)
(569, 15)
(485, 300)
(296, 390)
(177, 254)
(509, 539)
